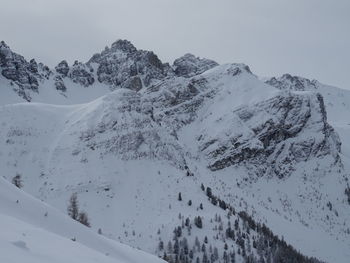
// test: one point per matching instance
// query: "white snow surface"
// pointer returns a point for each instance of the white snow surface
(32, 231)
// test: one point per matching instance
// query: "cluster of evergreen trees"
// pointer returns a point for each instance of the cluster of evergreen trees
(179, 250)
(240, 236)
(268, 246)
(73, 211)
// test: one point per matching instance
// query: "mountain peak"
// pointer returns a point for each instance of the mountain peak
(3, 45)
(123, 45)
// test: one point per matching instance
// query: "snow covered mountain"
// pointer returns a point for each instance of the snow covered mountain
(185, 161)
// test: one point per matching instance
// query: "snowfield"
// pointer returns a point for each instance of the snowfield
(32, 231)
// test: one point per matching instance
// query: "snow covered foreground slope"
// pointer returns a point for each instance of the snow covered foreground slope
(264, 148)
(32, 231)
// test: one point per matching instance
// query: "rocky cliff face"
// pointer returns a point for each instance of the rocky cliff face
(123, 126)
(24, 76)
(122, 65)
(282, 131)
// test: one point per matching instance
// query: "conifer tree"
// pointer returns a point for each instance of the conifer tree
(17, 181)
(73, 209)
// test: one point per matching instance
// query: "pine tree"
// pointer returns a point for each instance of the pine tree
(198, 221)
(209, 192)
(176, 246)
(187, 222)
(203, 248)
(205, 258)
(73, 211)
(216, 254)
(185, 246)
(83, 218)
(189, 203)
(17, 181)
(73, 207)
(225, 257)
(170, 247)
(178, 231)
(179, 197)
(212, 258)
(233, 257)
(161, 245)
(206, 239)
(197, 243)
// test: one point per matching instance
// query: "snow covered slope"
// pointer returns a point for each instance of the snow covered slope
(32, 231)
(142, 141)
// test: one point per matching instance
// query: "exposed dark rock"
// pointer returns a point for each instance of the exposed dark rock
(189, 65)
(134, 83)
(288, 82)
(123, 45)
(59, 84)
(81, 73)
(21, 72)
(62, 68)
(33, 66)
(116, 65)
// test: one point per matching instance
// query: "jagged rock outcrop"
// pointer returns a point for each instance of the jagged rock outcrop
(59, 84)
(15, 68)
(120, 66)
(79, 73)
(62, 68)
(82, 74)
(190, 65)
(122, 62)
(289, 82)
(33, 66)
(24, 76)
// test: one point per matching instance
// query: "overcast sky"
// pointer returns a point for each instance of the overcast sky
(310, 38)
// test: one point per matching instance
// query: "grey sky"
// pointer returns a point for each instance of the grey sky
(310, 38)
